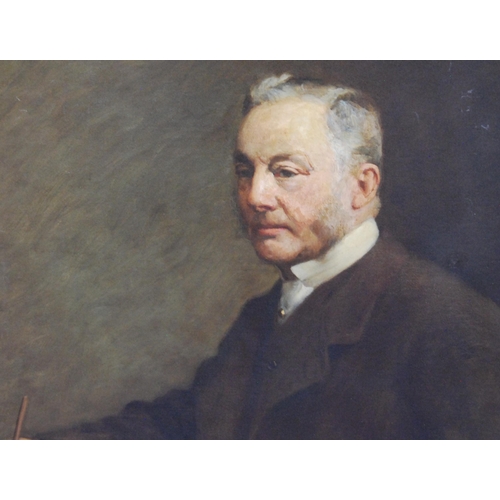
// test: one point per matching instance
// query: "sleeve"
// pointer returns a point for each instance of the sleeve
(168, 417)
(177, 414)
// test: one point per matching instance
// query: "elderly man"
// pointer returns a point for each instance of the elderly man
(358, 340)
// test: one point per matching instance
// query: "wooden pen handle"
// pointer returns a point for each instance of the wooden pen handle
(20, 417)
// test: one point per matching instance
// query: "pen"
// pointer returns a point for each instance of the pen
(20, 417)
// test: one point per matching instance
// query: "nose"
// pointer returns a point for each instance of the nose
(261, 195)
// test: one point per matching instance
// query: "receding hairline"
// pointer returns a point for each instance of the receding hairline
(288, 116)
(276, 88)
(352, 116)
(289, 101)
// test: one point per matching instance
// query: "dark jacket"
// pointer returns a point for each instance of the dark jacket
(392, 348)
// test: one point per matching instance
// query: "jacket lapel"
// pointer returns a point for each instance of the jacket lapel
(336, 313)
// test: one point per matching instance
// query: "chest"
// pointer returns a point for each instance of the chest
(298, 388)
(360, 394)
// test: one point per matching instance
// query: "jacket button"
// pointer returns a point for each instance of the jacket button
(272, 365)
(281, 313)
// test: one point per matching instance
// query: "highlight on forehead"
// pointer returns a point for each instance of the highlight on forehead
(292, 119)
(353, 119)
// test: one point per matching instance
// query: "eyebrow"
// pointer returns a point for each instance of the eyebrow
(298, 158)
(240, 157)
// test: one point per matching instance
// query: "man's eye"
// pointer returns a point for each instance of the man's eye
(285, 173)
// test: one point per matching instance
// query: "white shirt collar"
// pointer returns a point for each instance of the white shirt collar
(313, 273)
(342, 255)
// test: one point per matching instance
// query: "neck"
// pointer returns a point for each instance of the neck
(338, 257)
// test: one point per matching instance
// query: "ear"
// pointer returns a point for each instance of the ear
(367, 181)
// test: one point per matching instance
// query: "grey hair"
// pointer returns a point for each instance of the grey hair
(353, 119)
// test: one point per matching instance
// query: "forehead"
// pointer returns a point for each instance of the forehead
(292, 125)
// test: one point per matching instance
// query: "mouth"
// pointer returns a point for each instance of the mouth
(269, 230)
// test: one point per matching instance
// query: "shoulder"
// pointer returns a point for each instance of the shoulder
(419, 303)
(432, 292)
(438, 321)
(424, 284)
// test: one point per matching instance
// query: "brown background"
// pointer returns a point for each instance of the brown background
(121, 261)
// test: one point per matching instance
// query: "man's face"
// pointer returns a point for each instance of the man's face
(292, 198)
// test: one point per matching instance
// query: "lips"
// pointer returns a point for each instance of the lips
(269, 230)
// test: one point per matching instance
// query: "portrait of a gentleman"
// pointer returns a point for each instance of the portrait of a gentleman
(358, 339)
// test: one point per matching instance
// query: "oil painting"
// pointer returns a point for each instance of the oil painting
(130, 243)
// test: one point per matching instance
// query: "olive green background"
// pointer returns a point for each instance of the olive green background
(121, 261)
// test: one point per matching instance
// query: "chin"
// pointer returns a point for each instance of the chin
(273, 253)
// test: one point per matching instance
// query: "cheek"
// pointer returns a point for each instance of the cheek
(241, 198)
(243, 214)
(342, 191)
(307, 205)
